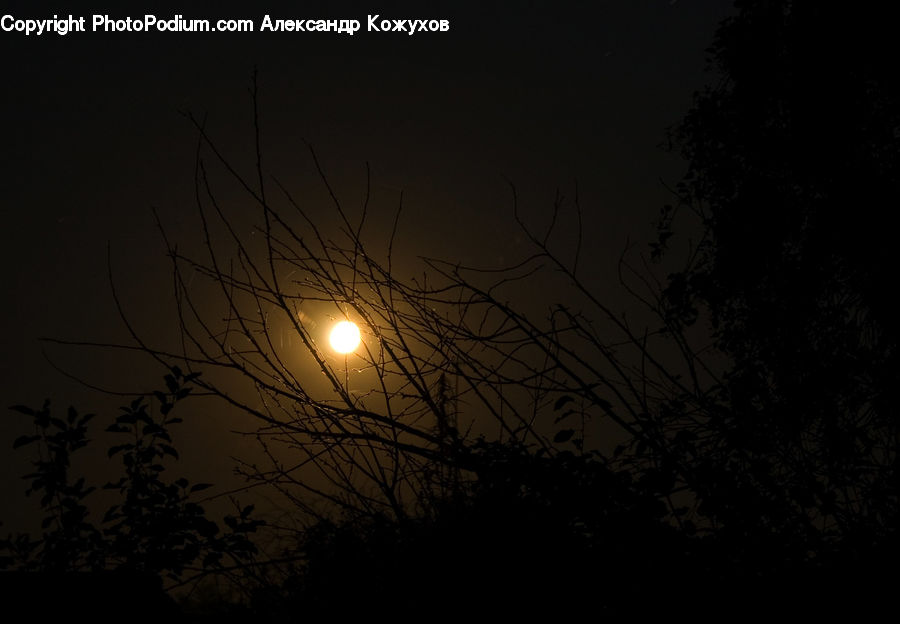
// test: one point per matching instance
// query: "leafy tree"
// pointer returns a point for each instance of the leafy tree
(793, 158)
(155, 528)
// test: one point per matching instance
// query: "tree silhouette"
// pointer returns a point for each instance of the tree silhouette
(792, 160)
(154, 531)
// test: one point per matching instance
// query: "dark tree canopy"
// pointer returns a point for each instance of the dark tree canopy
(794, 172)
(794, 161)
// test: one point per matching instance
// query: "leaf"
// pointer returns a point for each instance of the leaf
(25, 440)
(563, 435)
(171, 384)
(128, 418)
(152, 428)
(119, 447)
(182, 483)
(23, 410)
(200, 486)
(112, 514)
(562, 401)
(168, 450)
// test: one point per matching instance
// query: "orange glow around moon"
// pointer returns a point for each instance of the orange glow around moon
(344, 337)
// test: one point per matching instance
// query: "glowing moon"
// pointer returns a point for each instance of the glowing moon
(345, 337)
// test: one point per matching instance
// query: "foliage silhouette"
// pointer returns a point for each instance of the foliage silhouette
(792, 160)
(154, 529)
(549, 527)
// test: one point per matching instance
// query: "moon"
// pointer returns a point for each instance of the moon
(344, 337)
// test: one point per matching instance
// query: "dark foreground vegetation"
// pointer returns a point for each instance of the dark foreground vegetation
(757, 469)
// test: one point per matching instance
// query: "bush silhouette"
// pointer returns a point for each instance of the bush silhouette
(153, 533)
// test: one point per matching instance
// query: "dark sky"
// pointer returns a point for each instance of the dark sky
(537, 93)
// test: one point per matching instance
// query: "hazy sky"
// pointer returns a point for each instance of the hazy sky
(537, 93)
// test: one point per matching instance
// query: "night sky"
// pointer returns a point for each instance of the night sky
(539, 94)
